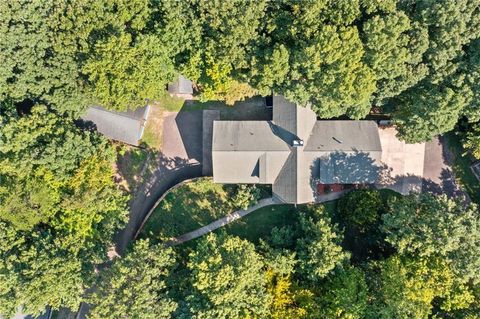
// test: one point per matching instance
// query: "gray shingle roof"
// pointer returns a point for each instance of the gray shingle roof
(349, 168)
(181, 86)
(125, 127)
(344, 152)
(246, 136)
(344, 136)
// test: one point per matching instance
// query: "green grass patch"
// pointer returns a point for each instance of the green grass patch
(187, 208)
(259, 224)
(461, 167)
(170, 103)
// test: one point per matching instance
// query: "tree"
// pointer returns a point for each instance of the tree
(451, 26)
(406, 287)
(426, 225)
(214, 39)
(428, 111)
(318, 246)
(329, 73)
(245, 196)
(344, 295)
(469, 80)
(394, 47)
(471, 141)
(124, 73)
(228, 279)
(37, 269)
(284, 305)
(36, 65)
(360, 208)
(135, 286)
(61, 206)
(53, 173)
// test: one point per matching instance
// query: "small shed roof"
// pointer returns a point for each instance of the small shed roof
(125, 127)
(181, 86)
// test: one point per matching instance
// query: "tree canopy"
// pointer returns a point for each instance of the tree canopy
(59, 209)
(415, 60)
(227, 279)
(135, 286)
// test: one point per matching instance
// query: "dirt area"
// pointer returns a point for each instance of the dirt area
(152, 136)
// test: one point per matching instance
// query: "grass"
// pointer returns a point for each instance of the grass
(170, 103)
(461, 167)
(259, 223)
(187, 208)
(130, 163)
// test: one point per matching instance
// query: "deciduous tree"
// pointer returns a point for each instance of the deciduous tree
(318, 246)
(426, 225)
(37, 269)
(228, 279)
(135, 286)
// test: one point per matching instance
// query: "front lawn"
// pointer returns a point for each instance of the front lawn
(187, 208)
(191, 206)
(259, 223)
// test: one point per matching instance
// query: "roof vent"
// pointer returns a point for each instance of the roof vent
(337, 140)
(297, 143)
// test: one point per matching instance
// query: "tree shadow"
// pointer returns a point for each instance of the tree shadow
(339, 167)
(412, 183)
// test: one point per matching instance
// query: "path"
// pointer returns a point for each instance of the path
(239, 214)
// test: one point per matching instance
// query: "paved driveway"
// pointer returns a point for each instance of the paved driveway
(403, 170)
(417, 167)
(180, 159)
(182, 136)
(438, 176)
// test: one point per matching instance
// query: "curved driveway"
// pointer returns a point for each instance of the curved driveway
(181, 159)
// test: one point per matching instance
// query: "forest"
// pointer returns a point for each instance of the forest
(374, 256)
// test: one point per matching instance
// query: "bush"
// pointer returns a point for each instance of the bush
(471, 141)
(245, 196)
(360, 208)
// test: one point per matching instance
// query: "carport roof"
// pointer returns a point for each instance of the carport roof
(125, 127)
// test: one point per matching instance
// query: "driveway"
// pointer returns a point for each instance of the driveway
(182, 156)
(403, 163)
(438, 176)
(418, 167)
(180, 159)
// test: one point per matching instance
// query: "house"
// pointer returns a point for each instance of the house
(126, 127)
(294, 152)
(182, 87)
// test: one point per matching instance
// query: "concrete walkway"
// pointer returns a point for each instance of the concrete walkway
(222, 222)
(239, 214)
